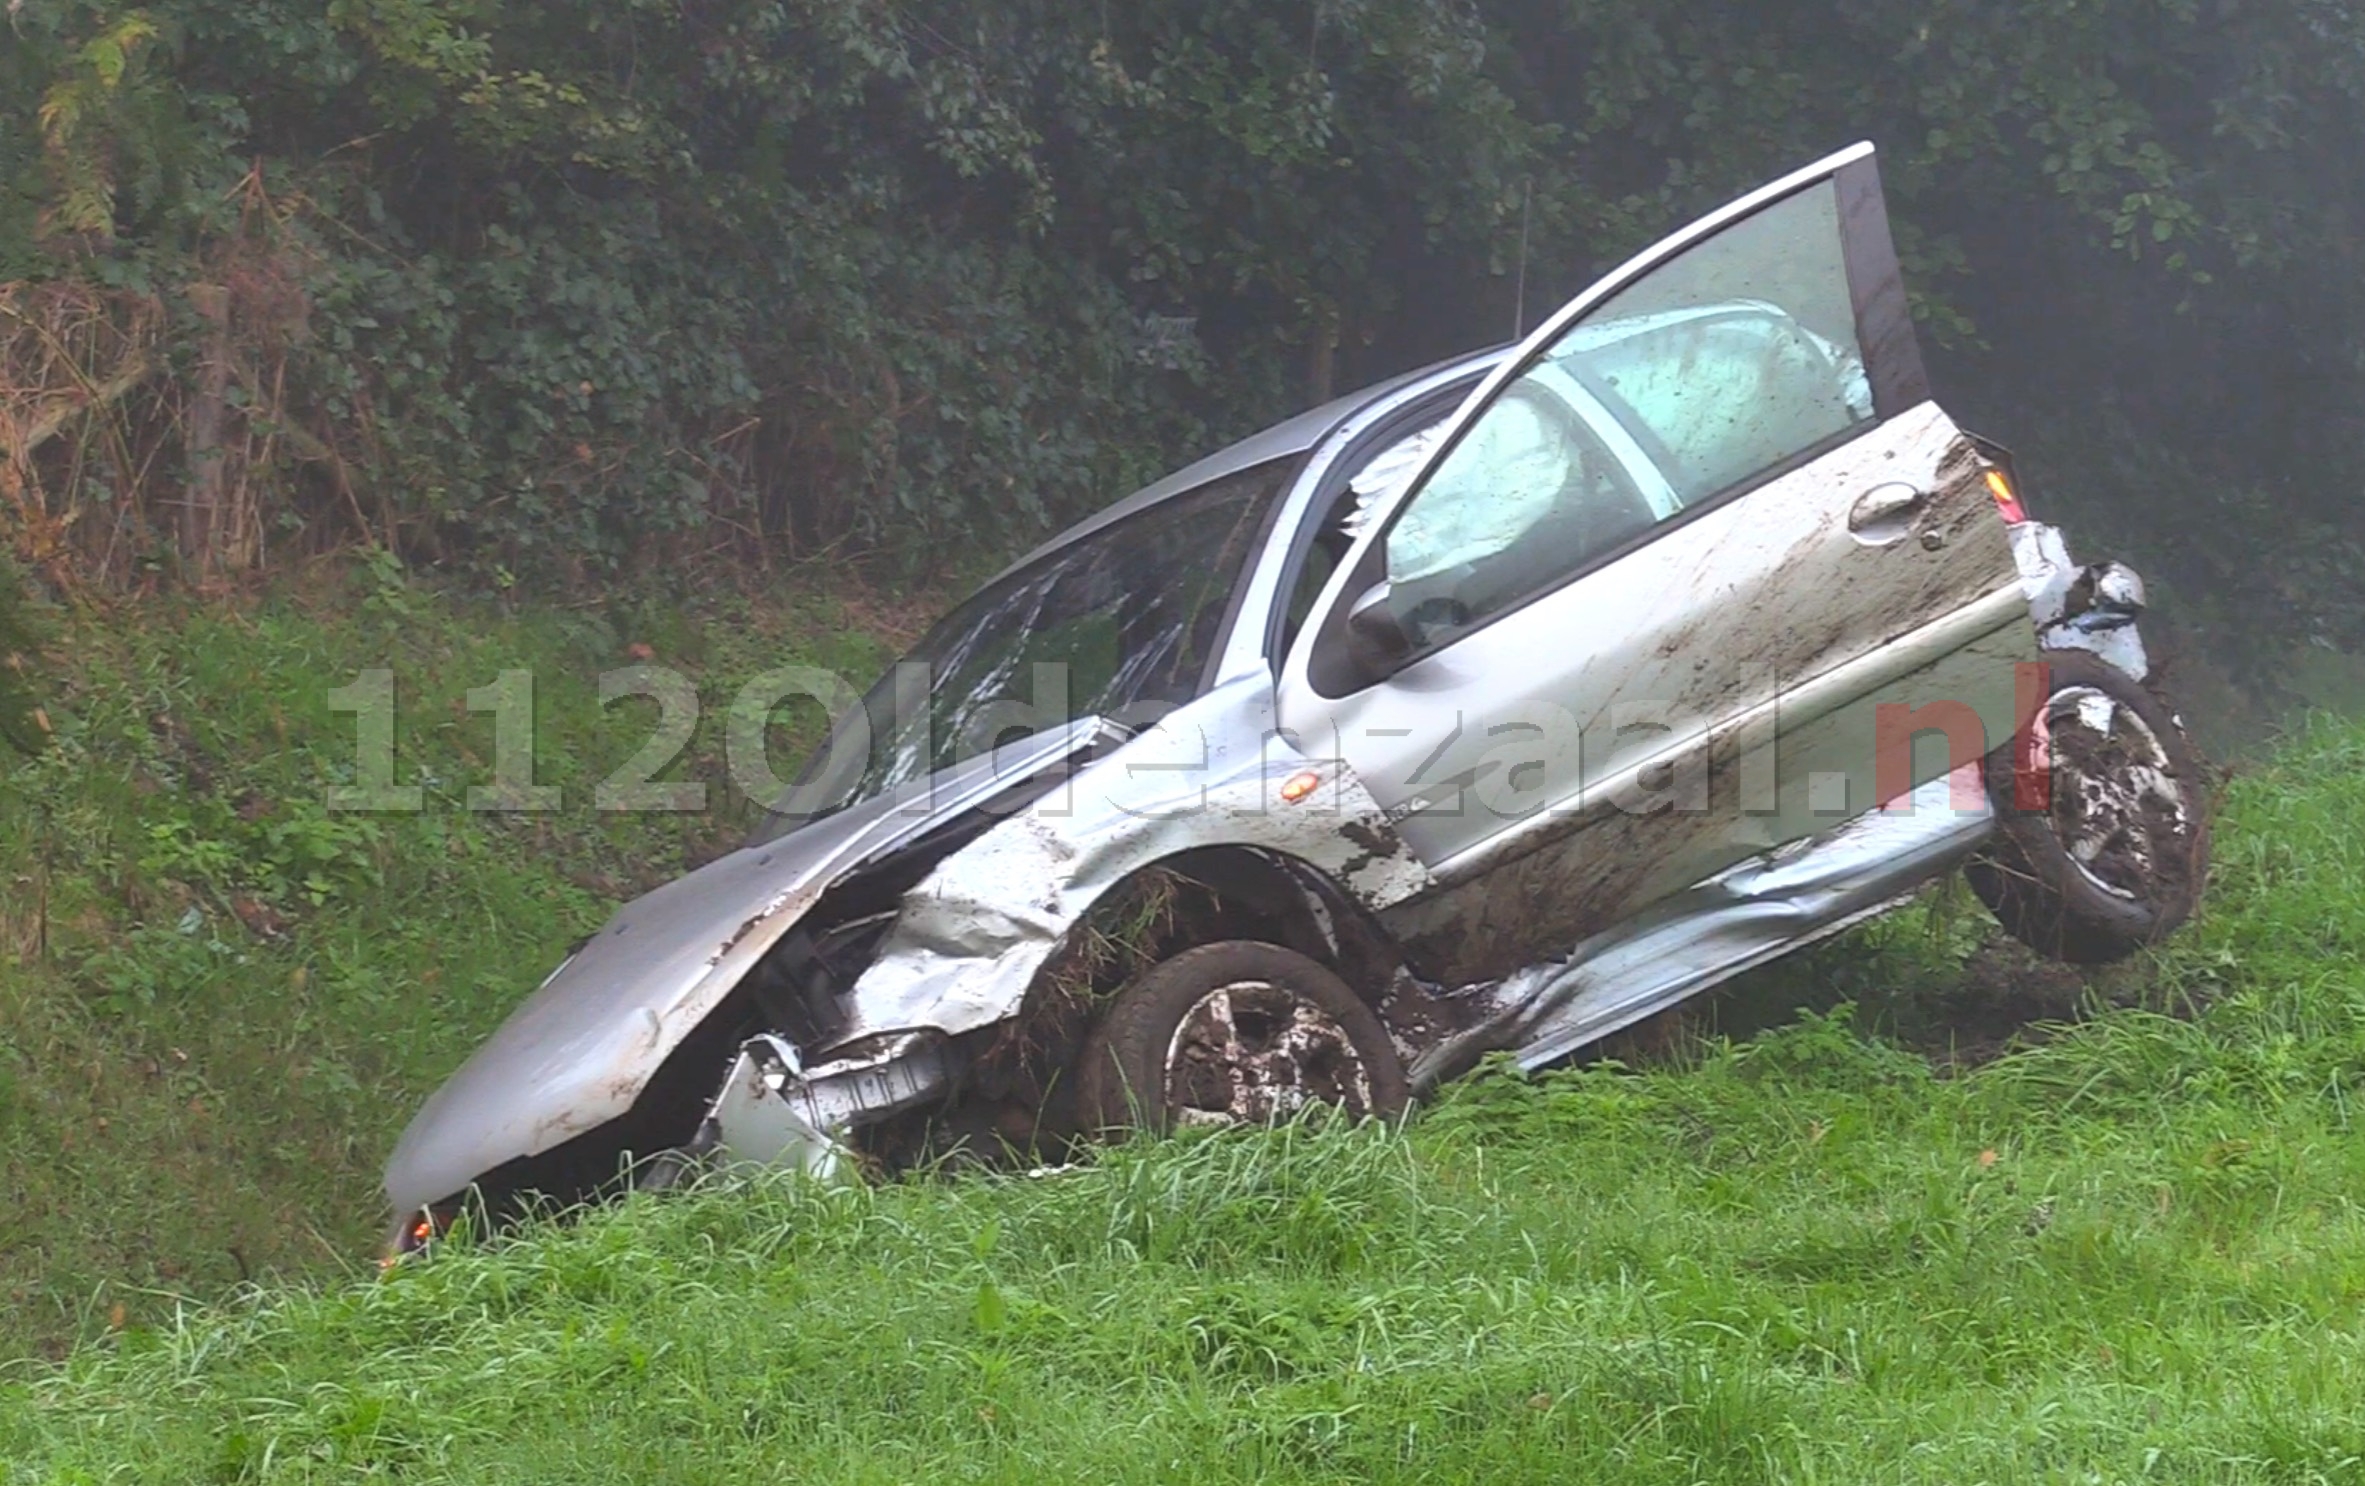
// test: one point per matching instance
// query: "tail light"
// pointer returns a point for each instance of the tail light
(2002, 481)
(2007, 500)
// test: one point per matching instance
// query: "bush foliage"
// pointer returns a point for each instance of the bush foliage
(520, 286)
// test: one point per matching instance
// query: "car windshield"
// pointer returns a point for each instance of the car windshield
(1120, 624)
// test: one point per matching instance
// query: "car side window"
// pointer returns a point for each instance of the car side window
(1726, 362)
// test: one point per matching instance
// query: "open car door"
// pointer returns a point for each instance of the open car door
(1699, 570)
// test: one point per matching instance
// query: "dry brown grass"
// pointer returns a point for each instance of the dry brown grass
(146, 429)
(71, 358)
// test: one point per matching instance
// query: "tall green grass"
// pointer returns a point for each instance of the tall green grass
(220, 999)
(1796, 1261)
(2134, 1251)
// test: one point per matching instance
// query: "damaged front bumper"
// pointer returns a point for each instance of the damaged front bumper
(774, 1111)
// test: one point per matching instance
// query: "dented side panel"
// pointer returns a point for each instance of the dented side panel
(1692, 941)
(1818, 776)
(972, 936)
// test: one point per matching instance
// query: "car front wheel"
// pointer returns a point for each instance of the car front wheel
(2102, 809)
(1236, 1033)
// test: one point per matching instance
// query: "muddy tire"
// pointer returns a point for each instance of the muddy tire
(1238, 1032)
(2116, 857)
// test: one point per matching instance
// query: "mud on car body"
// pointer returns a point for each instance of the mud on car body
(1493, 708)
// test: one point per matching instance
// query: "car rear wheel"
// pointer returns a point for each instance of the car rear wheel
(2112, 852)
(1236, 1033)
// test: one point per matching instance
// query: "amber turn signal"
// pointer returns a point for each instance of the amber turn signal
(2006, 499)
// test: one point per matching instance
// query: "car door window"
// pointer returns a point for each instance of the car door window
(1718, 397)
(1526, 496)
(1727, 362)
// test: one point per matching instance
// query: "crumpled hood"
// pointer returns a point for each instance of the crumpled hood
(581, 1049)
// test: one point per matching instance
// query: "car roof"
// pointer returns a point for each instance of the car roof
(1286, 439)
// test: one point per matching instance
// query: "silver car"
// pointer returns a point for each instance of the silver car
(1492, 709)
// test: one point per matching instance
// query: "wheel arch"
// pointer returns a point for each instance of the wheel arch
(1016, 1082)
(1203, 894)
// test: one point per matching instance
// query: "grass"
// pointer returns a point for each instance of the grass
(222, 999)
(1802, 1258)
(2132, 1251)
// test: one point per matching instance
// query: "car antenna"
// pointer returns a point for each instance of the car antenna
(1527, 193)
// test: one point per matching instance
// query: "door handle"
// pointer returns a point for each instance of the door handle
(1885, 512)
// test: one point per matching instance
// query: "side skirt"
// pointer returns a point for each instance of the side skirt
(1739, 919)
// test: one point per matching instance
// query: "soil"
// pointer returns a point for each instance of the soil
(2002, 996)
(2005, 996)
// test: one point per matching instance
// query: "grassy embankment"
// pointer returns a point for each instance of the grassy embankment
(2137, 1251)
(221, 999)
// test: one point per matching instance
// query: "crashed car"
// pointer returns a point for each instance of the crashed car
(1489, 710)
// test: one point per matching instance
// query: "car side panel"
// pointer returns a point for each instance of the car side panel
(1610, 865)
(1692, 703)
